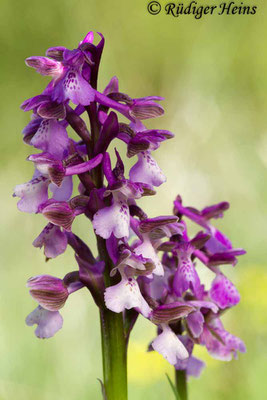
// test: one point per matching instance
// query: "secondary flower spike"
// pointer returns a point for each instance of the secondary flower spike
(146, 265)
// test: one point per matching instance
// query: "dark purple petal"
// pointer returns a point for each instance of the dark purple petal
(215, 211)
(31, 129)
(80, 248)
(108, 132)
(92, 277)
(107, 169)
(34, 102)
(199, 240)
(113, 86)
(148, 139)
(52, 109)
(149, 224)
(56, 53)
(89, 38)
(84, 167)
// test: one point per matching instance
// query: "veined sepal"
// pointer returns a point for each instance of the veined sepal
(170, 312)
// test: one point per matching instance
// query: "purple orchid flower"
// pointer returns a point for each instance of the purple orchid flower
(67, 72)
(145, 266)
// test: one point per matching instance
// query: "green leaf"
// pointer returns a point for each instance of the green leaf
(175, 392)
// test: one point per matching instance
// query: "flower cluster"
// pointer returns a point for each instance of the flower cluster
(145, 265)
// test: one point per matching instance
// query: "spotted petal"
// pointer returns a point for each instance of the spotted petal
(223, 292)
(32, 194)
(77, 89)
(114, 219)
(51, 137)
(126, 295)
(146, 170)
(53, 240)
(186, 277)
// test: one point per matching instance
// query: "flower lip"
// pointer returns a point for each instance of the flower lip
(53, 240)
(48, 322)
(168, 345)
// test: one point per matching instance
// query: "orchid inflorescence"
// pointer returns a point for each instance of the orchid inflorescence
(147, 265)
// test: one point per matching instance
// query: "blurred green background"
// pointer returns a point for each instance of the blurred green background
(212, 73)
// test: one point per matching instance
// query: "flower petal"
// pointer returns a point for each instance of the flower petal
(45, 66)
(195, 367)
(53, 240)
(195, 322)
(59, 213)
(223, 292)
(48, 322)
(77, 89)
(186, 277)
(168, 345)
(114, 219)
(146, 170)
(32, 194)
(50, 292)
(51, 137)
(64, 192)
(126, 295)
(147, 250)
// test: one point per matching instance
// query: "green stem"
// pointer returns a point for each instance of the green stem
(113, 355)
(114, 346)
(181, 384)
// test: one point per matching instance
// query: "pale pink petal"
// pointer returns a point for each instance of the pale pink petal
(147, 250)
(32, 194)
(146, 170)
(169, 346)
(114, 219)
(125, 295)
(48, 322)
